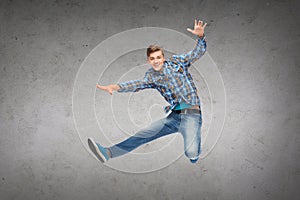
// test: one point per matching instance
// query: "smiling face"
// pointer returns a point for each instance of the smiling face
(156, 59)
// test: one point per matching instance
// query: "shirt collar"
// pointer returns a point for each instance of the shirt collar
(160, 72)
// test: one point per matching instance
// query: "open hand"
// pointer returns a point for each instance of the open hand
(109, 88)
(198, 28)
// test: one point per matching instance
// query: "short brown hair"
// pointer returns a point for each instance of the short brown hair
(154, 48)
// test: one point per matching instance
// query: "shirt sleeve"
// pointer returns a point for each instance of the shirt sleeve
(136, 85)
(193, 55)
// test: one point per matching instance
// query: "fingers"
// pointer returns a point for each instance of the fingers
(199, 23)
(198, 27)
(108, 88)
(101, 87)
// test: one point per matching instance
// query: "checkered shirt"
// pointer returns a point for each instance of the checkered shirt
(174, 82)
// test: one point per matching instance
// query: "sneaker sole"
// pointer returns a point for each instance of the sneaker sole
(94, 148)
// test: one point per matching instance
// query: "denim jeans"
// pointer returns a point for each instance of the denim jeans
(189, 125)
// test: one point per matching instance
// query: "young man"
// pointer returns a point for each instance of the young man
(172, 79)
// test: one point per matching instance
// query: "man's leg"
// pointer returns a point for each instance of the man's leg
(157, 129)
(190, 128)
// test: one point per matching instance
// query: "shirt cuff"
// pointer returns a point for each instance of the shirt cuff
(121, 88)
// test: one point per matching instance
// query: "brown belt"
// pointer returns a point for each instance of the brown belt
(191, 110)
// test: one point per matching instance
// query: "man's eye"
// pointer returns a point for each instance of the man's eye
(158, 57)
(151, 58)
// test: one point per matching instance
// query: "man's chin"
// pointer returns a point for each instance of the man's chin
(157, 68)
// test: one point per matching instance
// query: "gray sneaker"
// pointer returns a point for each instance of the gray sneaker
(98, 150)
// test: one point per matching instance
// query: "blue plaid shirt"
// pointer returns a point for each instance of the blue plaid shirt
(174, 82)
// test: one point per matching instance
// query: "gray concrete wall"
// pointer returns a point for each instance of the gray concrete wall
(255, 45)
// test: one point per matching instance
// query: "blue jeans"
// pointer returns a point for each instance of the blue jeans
(189, 125)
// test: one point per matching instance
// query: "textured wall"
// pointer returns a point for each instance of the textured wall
(255, 45)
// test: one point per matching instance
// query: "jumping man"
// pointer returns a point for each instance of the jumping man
(170, 76)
